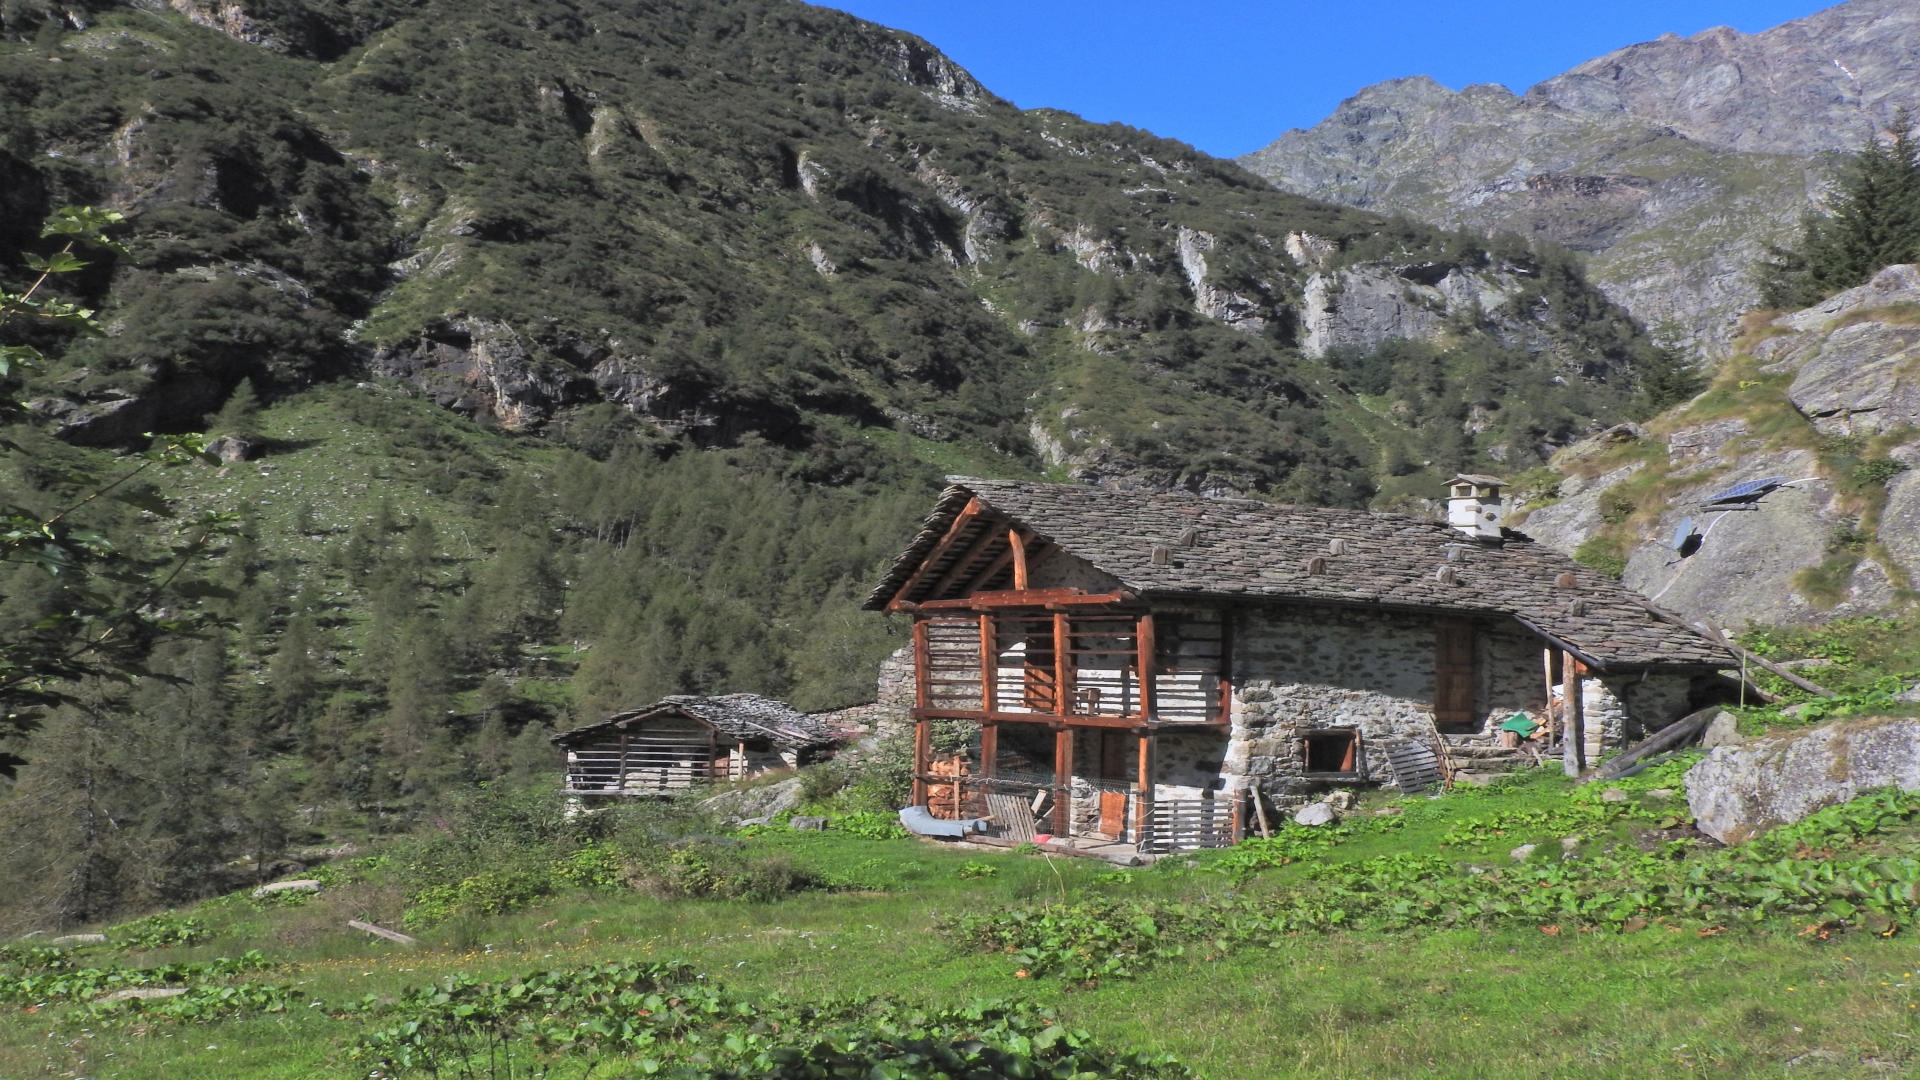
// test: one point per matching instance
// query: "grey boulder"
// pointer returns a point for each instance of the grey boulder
(1316, 814)
(1739, 792)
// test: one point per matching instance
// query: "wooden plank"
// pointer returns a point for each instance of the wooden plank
(1062, 667)
(958, 571)
(1573, 728)
(1080, 720)
(989, 664)
(1063, 781)
(381, 931)
(989, 749)
(1226, 666)
(921, 661)
(1143, 794)
(1113, 814)
(1453, 671)
(1019, 545)
(1674, 734)
(984, 601)
(961, 522)
(1144, 662)
(1727, 640)
(922, 747)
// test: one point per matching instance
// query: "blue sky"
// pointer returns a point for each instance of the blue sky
(1230, 75)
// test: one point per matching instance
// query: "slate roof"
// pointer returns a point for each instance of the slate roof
(742, 716)
(1253, 550)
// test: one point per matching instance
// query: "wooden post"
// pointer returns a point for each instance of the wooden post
(1062, 664)
(1573, 728)
(989, 748)
(989, 665)
(1062, 781)
(620, 783)
(922, 745)
(1260, 810)
(1143, 638)
(1226, 666)
(1019, 548)
(1143, 800)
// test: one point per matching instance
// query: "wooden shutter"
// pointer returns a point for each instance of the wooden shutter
(1453, 681)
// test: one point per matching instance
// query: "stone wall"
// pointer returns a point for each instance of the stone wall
(1300, 669)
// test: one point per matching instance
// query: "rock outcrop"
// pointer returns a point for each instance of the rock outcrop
(1739, 792)
(1674, 161)
(1851, 373)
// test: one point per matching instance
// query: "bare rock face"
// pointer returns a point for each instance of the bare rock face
(1367, 305)
(1739, 792)
(1673, 161)
(1855, 374)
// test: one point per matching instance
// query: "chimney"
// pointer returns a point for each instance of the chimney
(1474, 505)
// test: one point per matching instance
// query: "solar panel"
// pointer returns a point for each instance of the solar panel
(1747, 492)
(1682, 533)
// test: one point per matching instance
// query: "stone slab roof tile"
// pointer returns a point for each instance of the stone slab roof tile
(743, 716)
(1243, 548)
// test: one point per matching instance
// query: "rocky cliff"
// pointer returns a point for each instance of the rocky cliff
(732, 222)
(1671, 162)
(1826, 404)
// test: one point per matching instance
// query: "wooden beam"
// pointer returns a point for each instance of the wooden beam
(1018, 544)
(1145, 646)
(1673, 735)
(922, 745)
(1226, 666)
(964, 518)
(1062, 665)
(1785, 673)
(989, 749)
(958, 571)
(1143, 797)
(1085, 720)
(1063, 781)
(989, 664)
(1573, 727)
(984, 601)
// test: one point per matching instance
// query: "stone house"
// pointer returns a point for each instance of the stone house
(1133, 665)
(684, 740)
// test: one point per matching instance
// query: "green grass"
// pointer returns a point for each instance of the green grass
(1525, 1000)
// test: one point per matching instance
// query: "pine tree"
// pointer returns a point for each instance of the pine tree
(240, 416)
(1872, 221)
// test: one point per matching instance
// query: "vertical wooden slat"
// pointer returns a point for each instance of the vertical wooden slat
(620, 783)
(922, 744)
(1019, 548)
(1062, 664)
(1453, 671)
(922, 666)
(1226, 666)
(1062, 781)
(1143, 798)
(1573, 727)
(989, 664)
(1143, 638)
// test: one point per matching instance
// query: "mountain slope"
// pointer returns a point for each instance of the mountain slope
(1672, 162)
(745, 220)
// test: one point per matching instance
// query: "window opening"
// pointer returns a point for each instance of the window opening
(1335, 751)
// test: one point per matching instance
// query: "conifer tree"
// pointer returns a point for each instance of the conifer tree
(240, 415)
(1871, 221)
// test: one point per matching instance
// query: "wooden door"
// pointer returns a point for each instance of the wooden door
(1453, 676)
(1113, 814)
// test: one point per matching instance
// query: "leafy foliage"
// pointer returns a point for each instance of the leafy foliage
(1829, 868)
(670, 1022)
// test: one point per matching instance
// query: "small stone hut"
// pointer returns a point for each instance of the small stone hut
(684, 740)
(1136, 663)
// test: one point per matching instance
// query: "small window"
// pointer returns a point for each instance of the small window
(1335, 751)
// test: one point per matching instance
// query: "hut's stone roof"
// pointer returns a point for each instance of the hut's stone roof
(742, 716)
(1236, 548)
